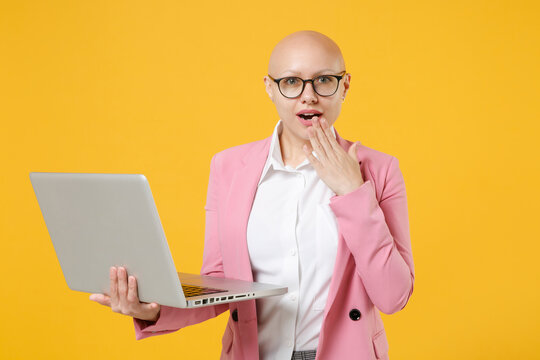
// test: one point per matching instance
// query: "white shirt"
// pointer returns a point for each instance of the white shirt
(292, 241)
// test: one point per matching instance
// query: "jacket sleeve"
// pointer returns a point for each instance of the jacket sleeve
(172, 319)
(377, 235)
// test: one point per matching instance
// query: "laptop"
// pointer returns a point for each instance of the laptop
(96, 221)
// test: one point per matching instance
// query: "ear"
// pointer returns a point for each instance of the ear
(346, 84)
(268, 87)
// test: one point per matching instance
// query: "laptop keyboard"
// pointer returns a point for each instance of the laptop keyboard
(193, 290)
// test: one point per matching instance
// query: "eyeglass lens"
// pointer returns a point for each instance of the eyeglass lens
(323, 85)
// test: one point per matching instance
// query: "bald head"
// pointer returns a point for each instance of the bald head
(303, 52)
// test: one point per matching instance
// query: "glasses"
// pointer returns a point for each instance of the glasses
(292, 87)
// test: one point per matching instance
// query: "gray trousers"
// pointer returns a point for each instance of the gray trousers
(304, 355)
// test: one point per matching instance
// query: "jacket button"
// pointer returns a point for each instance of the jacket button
(355, 314)
(235, 315)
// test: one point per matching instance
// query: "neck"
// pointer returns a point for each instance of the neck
(292, 152)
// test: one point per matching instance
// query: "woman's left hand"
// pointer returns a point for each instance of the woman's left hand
(337, 168)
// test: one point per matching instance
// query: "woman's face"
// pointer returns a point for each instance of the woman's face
(306, 62)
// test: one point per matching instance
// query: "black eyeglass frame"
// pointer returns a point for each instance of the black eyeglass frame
(338, 77)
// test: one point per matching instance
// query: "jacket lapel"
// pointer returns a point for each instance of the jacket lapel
(342, 253)
(239, 203)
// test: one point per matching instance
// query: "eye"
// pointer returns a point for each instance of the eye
(290, 81)
(324, 79)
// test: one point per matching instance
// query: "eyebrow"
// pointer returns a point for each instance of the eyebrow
(294, 72)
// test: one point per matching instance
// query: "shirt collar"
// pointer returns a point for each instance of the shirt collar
(274, 158)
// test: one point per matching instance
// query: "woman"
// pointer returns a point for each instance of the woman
(305, 209)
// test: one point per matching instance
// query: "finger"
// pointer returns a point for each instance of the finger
(322, 135)
(132, 295)
(352, 151)
(329, 135)
(312, 159)
(315, 144)
(150, 311)
(122, 286)
(150, 307)
(101, 299)
(113, 276)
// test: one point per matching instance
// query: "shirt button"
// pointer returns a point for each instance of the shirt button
(289, 343)
(293, 297)
(293, 252)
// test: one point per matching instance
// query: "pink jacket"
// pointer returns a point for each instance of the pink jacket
(373, 271)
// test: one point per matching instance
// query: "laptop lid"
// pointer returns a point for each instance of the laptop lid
(96, 221)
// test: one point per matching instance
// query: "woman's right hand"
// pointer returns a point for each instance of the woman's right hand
(124, 299)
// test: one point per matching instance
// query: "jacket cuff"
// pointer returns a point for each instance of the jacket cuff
(341, 203)
(144, 328)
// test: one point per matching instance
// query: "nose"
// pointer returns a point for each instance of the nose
(309, 96)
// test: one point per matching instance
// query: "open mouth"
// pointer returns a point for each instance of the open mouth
(307, 116)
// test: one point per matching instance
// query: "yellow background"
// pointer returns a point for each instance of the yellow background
(451, 88)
